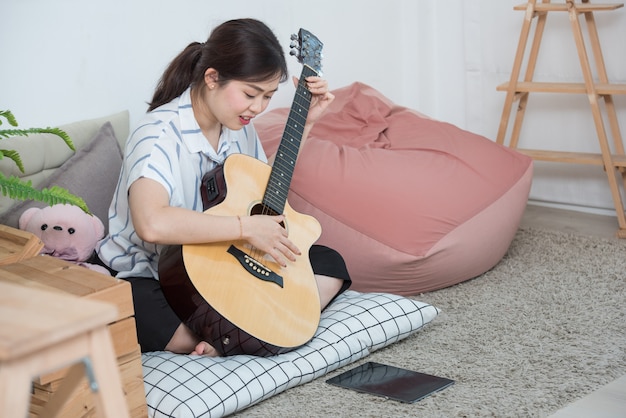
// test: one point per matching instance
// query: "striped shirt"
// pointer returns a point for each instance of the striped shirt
(168, 147)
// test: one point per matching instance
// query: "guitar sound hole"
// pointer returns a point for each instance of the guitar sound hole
(261, 209)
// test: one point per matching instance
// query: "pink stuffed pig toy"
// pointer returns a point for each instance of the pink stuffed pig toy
(67, 232)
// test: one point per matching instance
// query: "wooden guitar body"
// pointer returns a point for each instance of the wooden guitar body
(205, 281)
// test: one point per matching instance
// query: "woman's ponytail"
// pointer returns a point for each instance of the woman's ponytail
(178, 76)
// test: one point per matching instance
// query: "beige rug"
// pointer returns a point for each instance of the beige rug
(543, 328)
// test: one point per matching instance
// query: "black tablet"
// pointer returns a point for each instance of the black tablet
(391, 382)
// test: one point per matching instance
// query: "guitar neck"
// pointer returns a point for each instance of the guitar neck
(279, 181)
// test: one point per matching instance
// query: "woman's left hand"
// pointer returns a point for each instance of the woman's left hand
(321, 97)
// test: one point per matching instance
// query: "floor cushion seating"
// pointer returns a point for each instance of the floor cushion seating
(352, 327)
(413, 204)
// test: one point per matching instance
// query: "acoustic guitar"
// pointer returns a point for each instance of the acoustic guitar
(234, 296)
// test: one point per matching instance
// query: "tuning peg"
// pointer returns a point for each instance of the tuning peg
(293, 52)
(293, 36)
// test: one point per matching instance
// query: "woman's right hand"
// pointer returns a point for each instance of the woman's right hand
(268, 235)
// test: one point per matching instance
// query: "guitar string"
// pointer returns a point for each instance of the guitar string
(288, 149)
(286, 160)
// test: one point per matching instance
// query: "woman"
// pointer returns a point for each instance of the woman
(201, 112)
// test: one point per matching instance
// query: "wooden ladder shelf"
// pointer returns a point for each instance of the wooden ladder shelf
(613, 161)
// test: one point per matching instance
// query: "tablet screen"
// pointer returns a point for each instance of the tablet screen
(391, 382)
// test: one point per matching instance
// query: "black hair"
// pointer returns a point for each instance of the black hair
(240, 49)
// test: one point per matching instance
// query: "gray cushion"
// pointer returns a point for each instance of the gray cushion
(42, 154)
(91, 173)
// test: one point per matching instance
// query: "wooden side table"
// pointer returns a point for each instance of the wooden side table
(41, 331)
(55, 275)
(17, 245)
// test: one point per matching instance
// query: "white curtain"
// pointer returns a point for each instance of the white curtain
(470, 48)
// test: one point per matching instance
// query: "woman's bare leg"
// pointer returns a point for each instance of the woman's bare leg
(185, 341)
(328, 288)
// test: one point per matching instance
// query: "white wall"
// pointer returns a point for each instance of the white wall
(66, 60)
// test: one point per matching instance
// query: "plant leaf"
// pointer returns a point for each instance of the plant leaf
(16, 188)
(14, 155)
(9, 117)
(9, 133)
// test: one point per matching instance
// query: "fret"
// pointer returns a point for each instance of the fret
(279, 182)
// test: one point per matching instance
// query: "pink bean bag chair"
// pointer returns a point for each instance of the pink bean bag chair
(412, 204)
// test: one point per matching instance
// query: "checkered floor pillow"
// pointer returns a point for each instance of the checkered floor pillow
(353, 326)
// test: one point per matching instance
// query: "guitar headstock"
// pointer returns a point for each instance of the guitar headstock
(308, 49)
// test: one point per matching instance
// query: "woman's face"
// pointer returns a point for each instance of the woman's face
(235, 103)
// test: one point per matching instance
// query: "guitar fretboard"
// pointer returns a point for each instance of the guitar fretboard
(282, 171)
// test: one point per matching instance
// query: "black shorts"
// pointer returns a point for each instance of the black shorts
(156, 321)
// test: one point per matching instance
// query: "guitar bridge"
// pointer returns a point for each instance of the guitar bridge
(254, 267)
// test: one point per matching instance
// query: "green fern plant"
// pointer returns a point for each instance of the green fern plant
(18, 189)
